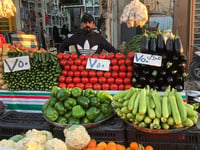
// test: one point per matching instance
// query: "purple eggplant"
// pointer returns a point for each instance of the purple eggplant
(170, 45)
(179, 87)
(152, 44)
(145, 43)
(178, 47)
(160, 43)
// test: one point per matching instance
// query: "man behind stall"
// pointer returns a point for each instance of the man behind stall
(87, 41)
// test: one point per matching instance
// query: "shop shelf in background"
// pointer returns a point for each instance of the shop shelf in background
(110, 130)
(12, 123)
(185, 140)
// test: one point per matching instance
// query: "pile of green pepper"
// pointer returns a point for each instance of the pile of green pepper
(42, 76)
(75, 106)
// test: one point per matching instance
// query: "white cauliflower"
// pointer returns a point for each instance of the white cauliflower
(36, 134)
(29, 144)
(48, 134)
(7, 143)
(76, 137)
(55, 144)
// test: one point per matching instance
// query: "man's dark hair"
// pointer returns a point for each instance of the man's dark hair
(87, 18)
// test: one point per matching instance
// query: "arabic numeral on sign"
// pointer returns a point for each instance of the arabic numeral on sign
(98, 64)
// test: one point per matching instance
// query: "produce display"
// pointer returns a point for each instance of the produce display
(3, 55)
(146, 108)
(75, 106)
(172, 70)
(75, 74)
(42, 76)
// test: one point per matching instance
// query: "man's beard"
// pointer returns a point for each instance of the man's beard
(87, 29)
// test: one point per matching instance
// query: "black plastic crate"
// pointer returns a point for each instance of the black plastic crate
(110, 130)
(185, 140)
(12, 123)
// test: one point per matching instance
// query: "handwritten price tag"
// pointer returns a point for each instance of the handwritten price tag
(98, 64)
(148, 59)
(16, 64)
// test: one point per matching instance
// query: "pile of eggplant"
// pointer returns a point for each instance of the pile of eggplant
(173, 66)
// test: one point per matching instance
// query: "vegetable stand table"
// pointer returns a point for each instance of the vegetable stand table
(32, 101)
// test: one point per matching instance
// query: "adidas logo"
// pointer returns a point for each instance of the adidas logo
(86, 48)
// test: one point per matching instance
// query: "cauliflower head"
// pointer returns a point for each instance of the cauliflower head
(7, 143)
(48, 134)
(37, 135)
(55, 144)
(76, 137)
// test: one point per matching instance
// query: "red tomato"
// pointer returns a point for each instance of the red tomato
(74, 68)
(95, 56)
(122, 74)
(61, 79)
(71, 85)
(121, 62)
(84, 80)
(64, 73)
(114, 61)
(131, 55)
(63, 62)
(110, 68)
(105, 86)
(76, 80)
(80, 85)
(92, 73)
(118, 81)
(99, 73)
(102, 80)
(68, 80)
(89, 86)
(81, 57)
(67, 67)
(129, 68)
(66, 56)
(74, 56)
(119, 56)
(110, 55)
(81, 68)
(128, 86)
(128, 62)
(88, 56)
(70, 62)
(114, 87)
(60, 56)
(94, 80)
(77, 62)
(121, 87)
(127, 81)
(129, 74)
(62, 85)
(107, 74)
(102, 55)
(77, 73)
(115, 68)
(122, 68)
(70, 73)
(110, 80)
(84, 63)
(97, 86)
(84, 73)
(114, 74)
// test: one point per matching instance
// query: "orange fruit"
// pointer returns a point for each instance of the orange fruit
(92, 143)
(134, 146)
(148, 147)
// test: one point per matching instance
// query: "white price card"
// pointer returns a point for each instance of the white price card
(16, 64)
(148, 59)
(98, 64)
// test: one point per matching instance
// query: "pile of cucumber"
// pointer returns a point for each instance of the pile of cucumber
(146, 108)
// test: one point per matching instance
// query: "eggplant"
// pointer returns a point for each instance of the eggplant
(146, 71)
(142, 79)
(136, 74)
(163, 87)
(163, 72)
(138, 85)
(145, 43)
(161, 80)
(160, 43)
(175, 58)
(136, 66)
(151, 80)
(178, 47)
(170, 45)
(170, 80)
(152, 44)
(179, 87)
(156, 87)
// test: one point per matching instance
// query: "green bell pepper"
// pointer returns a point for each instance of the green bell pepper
(83, 101)
(85, 121)
(63, 94)
(67, 105)
(92, 113)
(54, 91)
(89, 93)
(68, 114)
(52, 101)
(78, 112)
(51, 113)
(60, 108)
(94, 101)
(103, 95)
(46, 104)
(73, 121)
(99, 117)
(76, 92)
(61, 120)
(104, 108)
(109, 112)
(71, 101)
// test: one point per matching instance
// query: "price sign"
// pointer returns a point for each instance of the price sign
(148, 59)
(16, 64)
(98, 64)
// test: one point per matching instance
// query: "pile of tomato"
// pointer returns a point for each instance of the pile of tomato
(75, 74)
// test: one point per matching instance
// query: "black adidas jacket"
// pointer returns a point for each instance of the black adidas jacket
(87, 43)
